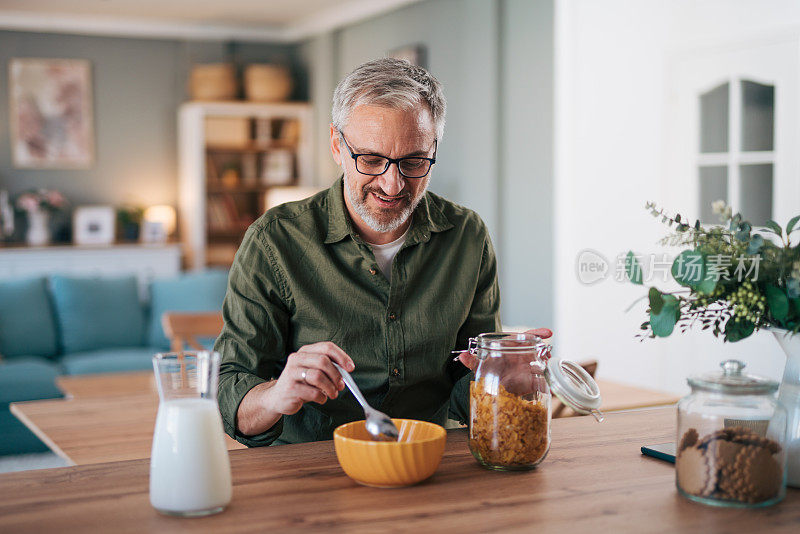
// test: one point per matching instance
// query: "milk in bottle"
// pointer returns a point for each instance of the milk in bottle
(189, 468)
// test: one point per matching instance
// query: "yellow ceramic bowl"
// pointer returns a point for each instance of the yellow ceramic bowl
(386, 464)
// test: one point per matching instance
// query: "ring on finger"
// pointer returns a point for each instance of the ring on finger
(303, 376)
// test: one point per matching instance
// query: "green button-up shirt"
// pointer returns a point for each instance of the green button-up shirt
(303, 275)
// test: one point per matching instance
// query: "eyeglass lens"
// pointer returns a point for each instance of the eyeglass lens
(410, 167)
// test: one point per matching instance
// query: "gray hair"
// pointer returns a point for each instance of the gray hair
(392, 83)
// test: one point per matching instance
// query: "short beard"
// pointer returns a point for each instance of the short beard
(376, 224)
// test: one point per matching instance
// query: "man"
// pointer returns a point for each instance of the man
(375, 274)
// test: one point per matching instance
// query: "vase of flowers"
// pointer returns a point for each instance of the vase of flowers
(38, 205)
(735, 280)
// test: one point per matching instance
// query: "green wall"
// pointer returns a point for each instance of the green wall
(495, 60)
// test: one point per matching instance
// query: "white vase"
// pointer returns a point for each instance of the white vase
(789, 396)
(38, 228)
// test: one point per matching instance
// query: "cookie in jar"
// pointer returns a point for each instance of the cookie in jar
(730, 448)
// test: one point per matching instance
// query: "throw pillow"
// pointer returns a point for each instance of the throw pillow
(27, 325)
(192, 292)
(96, 313)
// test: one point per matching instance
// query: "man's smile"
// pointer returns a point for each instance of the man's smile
(388, 201)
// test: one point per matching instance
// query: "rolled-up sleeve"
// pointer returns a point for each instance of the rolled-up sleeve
(253, 341)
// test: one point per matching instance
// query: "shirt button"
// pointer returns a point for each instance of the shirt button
(373, 271)
(392, 317)
(395, 372)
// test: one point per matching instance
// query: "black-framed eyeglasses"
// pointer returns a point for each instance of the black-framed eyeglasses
(375, 164)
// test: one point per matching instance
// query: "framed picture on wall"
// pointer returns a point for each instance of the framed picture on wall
(93, 225)
(414, 54)
(51, 113)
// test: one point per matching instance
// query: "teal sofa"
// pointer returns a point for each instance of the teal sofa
(72, 325)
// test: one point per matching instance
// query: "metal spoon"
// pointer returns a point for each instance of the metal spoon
(378, 424)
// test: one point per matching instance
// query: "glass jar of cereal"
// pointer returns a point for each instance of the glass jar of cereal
(509, 427)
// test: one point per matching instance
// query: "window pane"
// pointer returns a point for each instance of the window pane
(714, 120)
(756, 192)
(758, 116)
(713, 186)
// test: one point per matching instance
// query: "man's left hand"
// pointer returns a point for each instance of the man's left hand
(472, 362)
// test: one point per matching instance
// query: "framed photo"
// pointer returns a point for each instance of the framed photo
(51, 113)
(414, 54)
(153, 232)
(93, 225)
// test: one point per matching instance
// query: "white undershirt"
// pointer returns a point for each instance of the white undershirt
(384, 254)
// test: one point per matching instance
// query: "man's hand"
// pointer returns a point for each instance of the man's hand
(471, 361)
(309, 376)
(515, 373)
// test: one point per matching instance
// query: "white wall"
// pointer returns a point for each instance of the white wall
(612, 60)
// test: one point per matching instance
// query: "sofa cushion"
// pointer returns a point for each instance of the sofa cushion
(193, 292)
(28, 378)
(98, 313)
(27, 324)
(109, 360)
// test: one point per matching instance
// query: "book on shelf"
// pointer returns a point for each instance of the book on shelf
(249, 169)
(222, 213)
(212, 173)
(216, 215)
(263, 132)
(277, 167)
(289, 131)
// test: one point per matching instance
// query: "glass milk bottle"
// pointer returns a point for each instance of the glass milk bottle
(190, 474)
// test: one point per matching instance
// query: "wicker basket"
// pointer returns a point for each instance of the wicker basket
(267, 83)
(215, 81)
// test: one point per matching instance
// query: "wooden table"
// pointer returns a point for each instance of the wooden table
(111, 417)
(616, 396)
(107, 385)
(593, 480)
(104, 418)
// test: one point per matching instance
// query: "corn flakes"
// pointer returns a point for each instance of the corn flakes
(507, 430)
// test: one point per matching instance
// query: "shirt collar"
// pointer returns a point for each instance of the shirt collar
(427, 218)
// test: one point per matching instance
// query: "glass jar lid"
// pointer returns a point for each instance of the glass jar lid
(567, 380)
(492, 343)
(574, 387)
(733, 381)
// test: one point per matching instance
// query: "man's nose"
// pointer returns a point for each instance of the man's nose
(391, 181)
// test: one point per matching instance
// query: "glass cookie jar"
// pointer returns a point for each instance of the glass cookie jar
(510, 409)
(730, 447)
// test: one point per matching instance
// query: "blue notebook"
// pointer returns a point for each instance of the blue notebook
(662, 451)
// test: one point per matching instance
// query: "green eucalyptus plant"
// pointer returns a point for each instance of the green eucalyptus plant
(735, 281)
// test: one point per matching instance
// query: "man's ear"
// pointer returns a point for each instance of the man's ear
(335, 152)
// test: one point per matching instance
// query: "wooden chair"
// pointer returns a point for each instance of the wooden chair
(183, 328)
(559, 409)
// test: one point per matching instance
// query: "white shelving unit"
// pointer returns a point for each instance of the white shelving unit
(211, 223)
